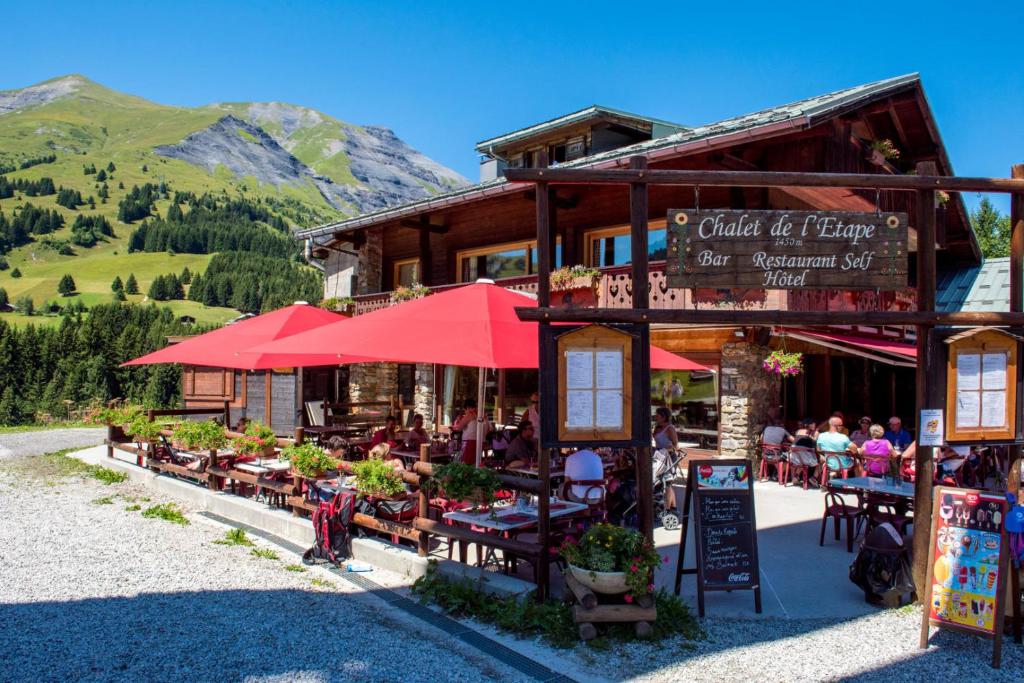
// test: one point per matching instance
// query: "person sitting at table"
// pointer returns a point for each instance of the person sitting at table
(775, 434)
(386, 434)
(842, 422)
(243, 422)
(383, 452)
(835, 442)
(862, 433)
(337, 447)
(522, 450)
(807, 433)
(469, 426)
(896, 435)
(417, 434)
(877, 452)
(584, 470)
(664, 433)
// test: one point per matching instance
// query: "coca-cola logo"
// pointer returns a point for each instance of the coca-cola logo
(706, 471)
(739, 577)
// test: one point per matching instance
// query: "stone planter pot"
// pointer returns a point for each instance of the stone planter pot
(606, 583)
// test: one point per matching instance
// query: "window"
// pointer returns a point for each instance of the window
(557, 154)
(611, 246)
(513, 259)
(407, 271)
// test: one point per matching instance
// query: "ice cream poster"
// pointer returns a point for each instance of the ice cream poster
(965, 570)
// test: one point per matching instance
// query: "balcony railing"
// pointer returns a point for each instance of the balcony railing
(615, 290)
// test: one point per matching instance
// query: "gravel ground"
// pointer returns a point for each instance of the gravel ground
(91, 590)
(13, 444)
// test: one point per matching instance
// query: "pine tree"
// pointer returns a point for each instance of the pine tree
(132, 285)
(25, 305)
(10, 413)
(101, 176)
(117, 285)
(4, 299)
(66, 286)
(186, 276)
(111, 168)
(145, 169)
(16, 273)
(175, 290)
(119, 295)
(3, 262)
(120, 185)
(158, 289)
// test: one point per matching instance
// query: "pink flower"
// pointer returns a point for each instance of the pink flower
(633, 568)
(650, 586)
(627, 597)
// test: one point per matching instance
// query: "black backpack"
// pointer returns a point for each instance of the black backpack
(330, 522)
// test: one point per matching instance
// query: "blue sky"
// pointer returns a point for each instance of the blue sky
(444, 76)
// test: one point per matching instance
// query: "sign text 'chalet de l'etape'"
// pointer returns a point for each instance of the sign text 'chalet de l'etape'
(782, 249)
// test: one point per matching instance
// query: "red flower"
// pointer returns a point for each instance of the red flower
(633, 568)
(627, 597)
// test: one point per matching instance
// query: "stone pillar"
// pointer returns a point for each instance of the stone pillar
(368, 274)
(373, 382)
(747, 392)
(423, 398)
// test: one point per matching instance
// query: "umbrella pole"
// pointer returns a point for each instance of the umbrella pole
(481, 415)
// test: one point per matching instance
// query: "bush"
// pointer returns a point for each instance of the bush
(308, 460)
(205, 436)
(374, 477)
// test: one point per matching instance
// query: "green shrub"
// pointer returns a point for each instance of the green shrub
(204, 436)
(374, 477)
(308, 460)
(460, 481)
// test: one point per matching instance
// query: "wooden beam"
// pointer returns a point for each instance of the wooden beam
(624, 176)
(426, 259)
(424, 225)
(638, 208)
(1017, 305)
(570, 202)
(927, 368)
(734, 317)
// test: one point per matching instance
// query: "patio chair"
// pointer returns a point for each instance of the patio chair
(835, 463)
(594, 496)
(772, 455)
(801, 461)
(837, 509)
(879, 510)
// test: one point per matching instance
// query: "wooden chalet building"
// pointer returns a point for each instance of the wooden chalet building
(488, 230)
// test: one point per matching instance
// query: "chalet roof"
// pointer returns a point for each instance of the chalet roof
(981, 288)
(594, 111)
(795, 115)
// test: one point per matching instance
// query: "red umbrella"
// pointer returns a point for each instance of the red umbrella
(228, 346)
(474, 326)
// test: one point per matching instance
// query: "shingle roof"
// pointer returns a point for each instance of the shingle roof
(980, 288)
(803, 113)
(593, 111)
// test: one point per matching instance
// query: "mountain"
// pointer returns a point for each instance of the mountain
(286, 151)
(300, 165)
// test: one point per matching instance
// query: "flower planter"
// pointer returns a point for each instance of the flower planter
(583, 294)
(269, 451)
(606, 583)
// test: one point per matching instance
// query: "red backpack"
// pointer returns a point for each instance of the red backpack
(330, 522)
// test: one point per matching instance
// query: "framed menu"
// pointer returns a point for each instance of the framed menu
(595, 372)
(968, 566)
(981, 387)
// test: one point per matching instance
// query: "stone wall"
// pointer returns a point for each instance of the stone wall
(372, 381)
(423, 398)
(368, 273)
(748, 393)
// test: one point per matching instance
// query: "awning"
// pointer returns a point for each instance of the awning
(881, 350)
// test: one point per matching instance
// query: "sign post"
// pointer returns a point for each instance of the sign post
(787, 249)
(968, 566)
(721, 493)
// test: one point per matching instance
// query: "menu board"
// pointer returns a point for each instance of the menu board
(722, 496)
(981, 381)
(593, 382)
(966, 561)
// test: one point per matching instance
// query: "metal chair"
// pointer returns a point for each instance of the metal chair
(837, 509)
(772, 455)
(835, 463)
(801, 460)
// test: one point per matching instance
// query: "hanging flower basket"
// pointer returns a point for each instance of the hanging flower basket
(783, 364)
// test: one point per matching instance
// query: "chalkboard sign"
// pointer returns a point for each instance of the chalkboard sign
(968, 566)
(720, 494)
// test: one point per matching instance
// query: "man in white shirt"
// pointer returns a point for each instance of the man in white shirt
(585, 465)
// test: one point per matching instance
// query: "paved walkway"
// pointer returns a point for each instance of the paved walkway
(19, 444)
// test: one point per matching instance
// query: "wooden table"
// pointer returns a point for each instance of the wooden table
(509, 517)
(414, 455)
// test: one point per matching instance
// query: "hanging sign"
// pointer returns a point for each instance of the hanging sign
(968, 565)
(787, 249)
(721, 493)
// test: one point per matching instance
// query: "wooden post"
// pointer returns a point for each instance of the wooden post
(300, 436)
(499, 403)
(640, 277)
(927, 365)
(212, 481)
(1016, 306)
(424, 543)
(544, 259)
(426, 258)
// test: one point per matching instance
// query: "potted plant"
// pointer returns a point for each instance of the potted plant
(308, 460)
(783, 364)
(345, 304)
(118, 418)
(142, 430)
(413, 291)
(460, 481)
(261, 439)
(199, 436)
(880, 151)
(378, 479)
(612, 560)
(577, 285)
